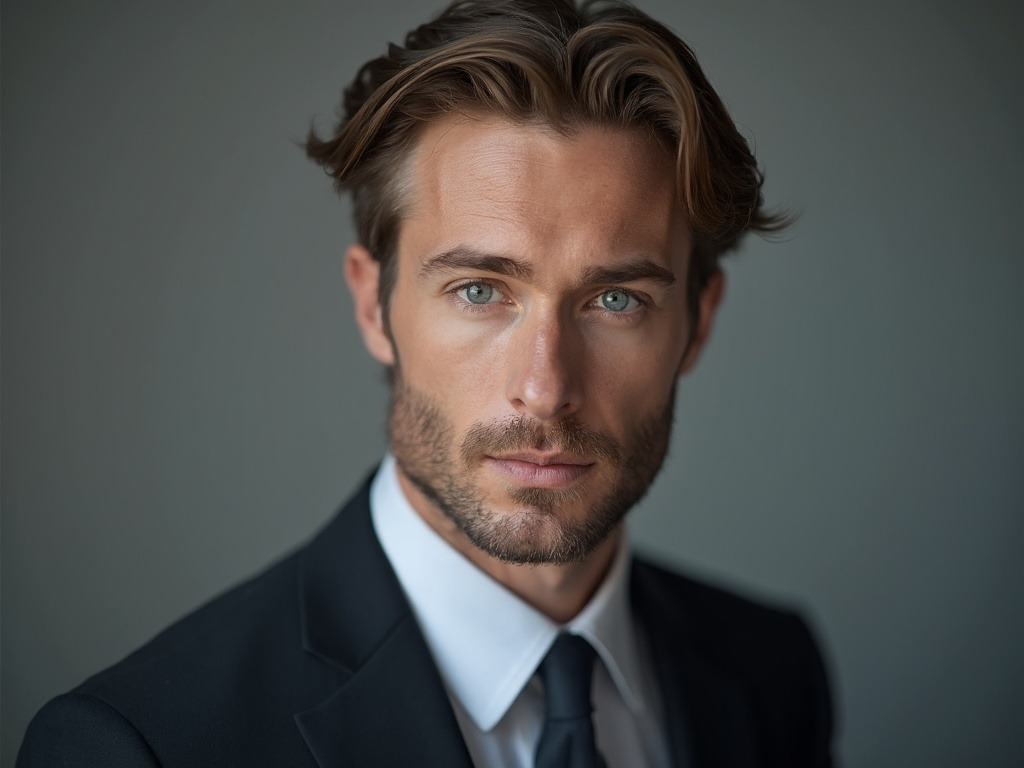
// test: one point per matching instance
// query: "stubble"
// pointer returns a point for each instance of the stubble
(537, 530)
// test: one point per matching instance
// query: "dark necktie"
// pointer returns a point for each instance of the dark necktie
(567, 738)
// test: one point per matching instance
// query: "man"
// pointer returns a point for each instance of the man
(542, 195)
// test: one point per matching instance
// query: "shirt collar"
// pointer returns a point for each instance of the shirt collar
(486, 641)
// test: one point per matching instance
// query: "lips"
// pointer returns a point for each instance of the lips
(544, 459)
(541, 470)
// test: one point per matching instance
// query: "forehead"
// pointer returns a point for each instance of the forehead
(528, 189)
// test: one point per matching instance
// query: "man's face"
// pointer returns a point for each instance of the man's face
(537, 328)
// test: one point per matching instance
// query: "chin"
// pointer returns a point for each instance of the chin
(536, 526)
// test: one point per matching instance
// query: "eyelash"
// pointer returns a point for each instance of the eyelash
(622, 317)
(471, 308)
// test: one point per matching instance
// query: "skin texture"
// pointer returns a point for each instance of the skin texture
(538, 326)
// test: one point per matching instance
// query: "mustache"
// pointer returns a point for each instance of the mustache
(518, 434)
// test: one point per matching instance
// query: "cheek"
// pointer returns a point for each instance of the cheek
(455, 362)
(630, 395)
(632, 380)
(625, 373)
(632, 374)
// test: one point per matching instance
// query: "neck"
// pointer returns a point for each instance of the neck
(559, 591)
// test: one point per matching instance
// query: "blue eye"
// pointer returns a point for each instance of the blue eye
(617, 301)
(480, 293)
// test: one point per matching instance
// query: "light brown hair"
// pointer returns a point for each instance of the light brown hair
(604, 63)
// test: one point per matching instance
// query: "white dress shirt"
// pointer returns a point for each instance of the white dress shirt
(487, 644)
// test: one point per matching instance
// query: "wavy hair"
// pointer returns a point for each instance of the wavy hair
(604, 63)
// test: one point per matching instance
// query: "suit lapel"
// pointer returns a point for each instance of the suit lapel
(393, 709)
(707, 714)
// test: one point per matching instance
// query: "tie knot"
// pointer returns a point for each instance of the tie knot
(566, 672)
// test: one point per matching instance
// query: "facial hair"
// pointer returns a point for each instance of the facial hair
(423, 441)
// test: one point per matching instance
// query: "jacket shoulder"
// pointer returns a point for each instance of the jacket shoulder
(218, 636)
(714, 609)
(768, 651)
(219, 686)
(80, 731)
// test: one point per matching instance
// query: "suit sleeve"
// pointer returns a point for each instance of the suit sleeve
(80, 731)
(819, 713)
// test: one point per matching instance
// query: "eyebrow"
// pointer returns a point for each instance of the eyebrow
(641, 269)
(463, 258)
(468, 258)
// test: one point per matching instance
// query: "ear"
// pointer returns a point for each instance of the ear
(709, 300)
(362, 273)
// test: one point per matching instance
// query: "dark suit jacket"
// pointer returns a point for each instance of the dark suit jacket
(319, 662)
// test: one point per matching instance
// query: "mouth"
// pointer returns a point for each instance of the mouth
(534, 469)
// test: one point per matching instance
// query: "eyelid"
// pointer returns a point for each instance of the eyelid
(453, 290)
(641, 298)
(458, 285)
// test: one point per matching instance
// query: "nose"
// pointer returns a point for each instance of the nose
(544, 377)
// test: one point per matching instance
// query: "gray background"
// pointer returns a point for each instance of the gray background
(184, 396)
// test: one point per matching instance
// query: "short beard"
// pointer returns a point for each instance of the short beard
(423, 441)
